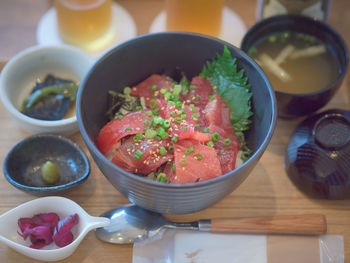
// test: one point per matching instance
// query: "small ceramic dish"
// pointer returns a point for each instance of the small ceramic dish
(54, 204)
(31, 65)
(23, 163)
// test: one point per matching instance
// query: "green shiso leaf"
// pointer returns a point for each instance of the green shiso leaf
(232, 85)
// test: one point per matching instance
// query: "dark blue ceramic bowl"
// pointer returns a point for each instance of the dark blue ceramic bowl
(169, 53)
(22, 164)
(292, 105)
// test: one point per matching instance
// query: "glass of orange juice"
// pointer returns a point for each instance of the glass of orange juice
(200, 16)
(83, 22)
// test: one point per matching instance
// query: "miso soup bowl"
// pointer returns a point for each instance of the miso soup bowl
(169, 53)
(292, 105)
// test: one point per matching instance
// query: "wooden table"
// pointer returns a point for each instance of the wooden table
(267, 191)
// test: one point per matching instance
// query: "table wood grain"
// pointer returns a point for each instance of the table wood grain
(266, 192)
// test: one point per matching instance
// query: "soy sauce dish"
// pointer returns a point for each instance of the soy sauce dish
(38, 88)
(305, 60)
(46, 164)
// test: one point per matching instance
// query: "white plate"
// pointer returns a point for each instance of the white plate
(232, 26)
(123, 28)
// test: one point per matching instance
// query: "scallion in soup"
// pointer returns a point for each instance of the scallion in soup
(295, 62)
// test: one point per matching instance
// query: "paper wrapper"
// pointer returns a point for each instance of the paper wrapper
(177, 246)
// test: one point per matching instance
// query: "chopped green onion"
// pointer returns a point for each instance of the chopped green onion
(168, 163)
(154, 87)
(157, 120)
(215, 137)
(162, 178)
(146, 122)
(195, 116)
(227, 142)
(178, 104)
(196, 98)
(211, 98)
(183, 110)
(137, 157)
(149, 113)
(193, 87)
(171, 148)
(158, 137)
(178, 120)
(138, 137)
(162, 151)
(139, 153)
(166, 124)
(120, 117)
(192, 107)
(156, 112)
(210, 144)
(198, 156)
(184, 128)
(171, 103)
(172, 113)
(150, 133)
(183, 161)
(174, 139)
(183, 116)
(173, 168)
(128, 129)
(206, 130)
(153, 104)
(162, 133)
(197, 127)
(189, 150)
(138, 108)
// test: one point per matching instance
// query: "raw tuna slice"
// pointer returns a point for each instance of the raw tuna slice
(144, 89)
(150, 159)
(194, 165)
(183, 123)
(199, 96)
(217, 115)
(115, 130)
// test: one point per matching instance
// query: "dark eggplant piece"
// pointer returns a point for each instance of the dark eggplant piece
(50, 99)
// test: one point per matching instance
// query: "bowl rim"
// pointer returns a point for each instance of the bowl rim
(257, 154)
(319, 24)
(32, 52)
(56, 137)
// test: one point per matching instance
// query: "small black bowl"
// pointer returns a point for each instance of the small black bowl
(317, 158)
(24, 160)
(291, 105)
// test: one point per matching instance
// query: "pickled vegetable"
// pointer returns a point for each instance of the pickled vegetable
(51, 99)
(50, 172)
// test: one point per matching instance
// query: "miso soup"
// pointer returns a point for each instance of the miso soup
(295, 62)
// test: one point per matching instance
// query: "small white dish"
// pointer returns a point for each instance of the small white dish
(59, 205)
(20, 74)
(232, 26)
(123, 28)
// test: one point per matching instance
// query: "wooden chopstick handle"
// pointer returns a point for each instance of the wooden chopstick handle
(297, 224)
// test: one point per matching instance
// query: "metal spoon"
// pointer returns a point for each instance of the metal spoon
(130, 223)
